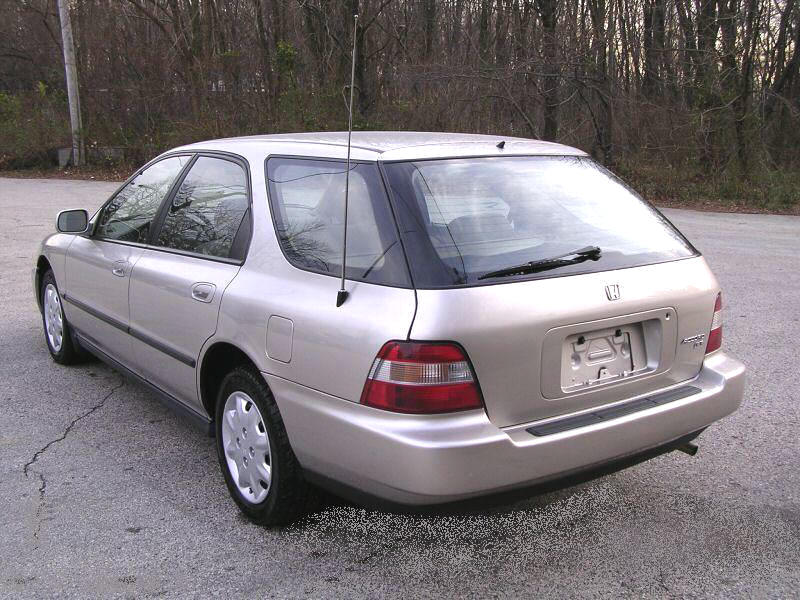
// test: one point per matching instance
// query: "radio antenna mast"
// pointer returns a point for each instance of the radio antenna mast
(341, 296)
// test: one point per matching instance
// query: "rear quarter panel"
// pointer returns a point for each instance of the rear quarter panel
(328, 349)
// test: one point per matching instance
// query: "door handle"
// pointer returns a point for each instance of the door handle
(119, 268)
(203, 292)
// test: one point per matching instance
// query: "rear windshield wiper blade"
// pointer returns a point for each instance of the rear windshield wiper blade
(545, 264)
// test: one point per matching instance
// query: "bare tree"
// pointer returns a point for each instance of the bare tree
(709, 84)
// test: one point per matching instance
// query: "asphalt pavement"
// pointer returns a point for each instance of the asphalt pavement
(105, 493)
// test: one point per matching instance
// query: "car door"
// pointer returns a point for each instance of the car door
(177, 284)
(98, 266)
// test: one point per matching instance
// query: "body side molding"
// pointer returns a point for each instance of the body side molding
(185, 359)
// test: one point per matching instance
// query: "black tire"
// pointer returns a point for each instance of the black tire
(70, 352)
(288, 496)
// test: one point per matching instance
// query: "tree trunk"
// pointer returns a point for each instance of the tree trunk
(547, 10)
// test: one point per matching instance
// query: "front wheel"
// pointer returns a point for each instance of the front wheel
(260, 468)
(57, 331)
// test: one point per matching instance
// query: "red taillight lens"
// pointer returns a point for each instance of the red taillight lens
(421, 378)
(715, 335)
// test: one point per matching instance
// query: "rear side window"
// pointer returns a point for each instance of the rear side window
(129, 214)
(207, 211)
(464, 218)
(307, 200)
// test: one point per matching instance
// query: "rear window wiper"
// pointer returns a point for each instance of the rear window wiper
(545, 264)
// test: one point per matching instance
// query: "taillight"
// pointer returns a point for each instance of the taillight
(421, 378)
(715, 335)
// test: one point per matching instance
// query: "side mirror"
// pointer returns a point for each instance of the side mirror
(72, 221)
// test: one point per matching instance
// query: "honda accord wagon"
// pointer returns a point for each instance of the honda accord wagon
(503, 313)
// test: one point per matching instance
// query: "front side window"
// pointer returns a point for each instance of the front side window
(307, 199)
(129, 214)
(207, 211)
(462, 220)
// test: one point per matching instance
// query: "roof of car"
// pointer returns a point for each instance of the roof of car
(386, 145)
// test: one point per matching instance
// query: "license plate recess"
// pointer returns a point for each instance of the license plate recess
(602, 356)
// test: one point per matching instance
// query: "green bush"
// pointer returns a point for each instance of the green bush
(32, 125)
(765, 188)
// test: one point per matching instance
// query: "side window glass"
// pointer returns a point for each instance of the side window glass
(129, 215)
(307, 199)
(208, 208)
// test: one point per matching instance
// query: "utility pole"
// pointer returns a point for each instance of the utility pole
(72, 83)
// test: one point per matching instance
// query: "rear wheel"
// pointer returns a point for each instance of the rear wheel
(259, 466)
(57, 331)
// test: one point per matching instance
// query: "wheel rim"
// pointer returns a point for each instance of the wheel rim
(246, 445)
(53, 317)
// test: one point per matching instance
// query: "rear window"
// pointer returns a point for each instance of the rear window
(464, 218)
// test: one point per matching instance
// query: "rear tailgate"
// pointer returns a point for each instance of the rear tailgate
(558, 345)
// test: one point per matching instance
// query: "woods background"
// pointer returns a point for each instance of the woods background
(690, 100)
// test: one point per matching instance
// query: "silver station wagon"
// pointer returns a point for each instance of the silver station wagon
(512, 314)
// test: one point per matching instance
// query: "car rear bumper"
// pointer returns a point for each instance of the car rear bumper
(412, 459)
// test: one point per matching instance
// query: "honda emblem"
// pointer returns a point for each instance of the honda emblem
(612, 291)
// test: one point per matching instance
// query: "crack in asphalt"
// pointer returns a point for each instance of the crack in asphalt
(27, 468)
(63, 436)
(42, 489)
